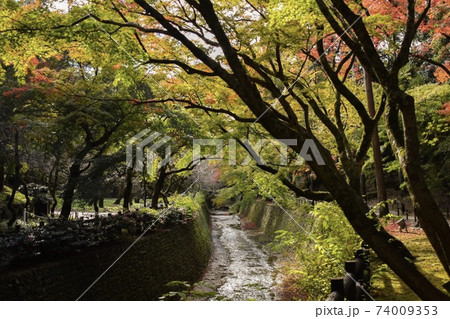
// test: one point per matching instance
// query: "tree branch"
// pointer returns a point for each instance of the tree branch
(365, 49)
(325, 196)
(342, 88)
(128, 25)
(431, 61)
(210, 109)
(184, 66)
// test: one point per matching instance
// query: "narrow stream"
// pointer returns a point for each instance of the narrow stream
(239, 269)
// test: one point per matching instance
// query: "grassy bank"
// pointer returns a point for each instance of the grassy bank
(108, 203)
(19, 198)
(387, 286)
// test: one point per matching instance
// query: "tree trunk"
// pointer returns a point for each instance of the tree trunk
(69, 192)
(400, 178)
(53, 184)
(17, 181)
(159, 186)
(165, 199)
(72, 181)
(94, 203)
(144, 186)
(128, 189)
(2, 172)
(311, 186)
(119, 194)
(430, 216)
(379, 173)
(363, 187)
(55, 203)
(11, 208)
(101, 202)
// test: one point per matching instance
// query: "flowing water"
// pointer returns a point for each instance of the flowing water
(239, 268)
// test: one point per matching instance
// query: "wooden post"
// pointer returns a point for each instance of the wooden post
(359, 292)
(356, 280)
(350, 280)
(350, 266)
(337, 284)
(349, 287)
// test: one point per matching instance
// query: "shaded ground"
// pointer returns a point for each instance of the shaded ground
(387, 286)
(400, 197)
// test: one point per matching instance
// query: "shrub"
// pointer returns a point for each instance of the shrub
(59, 237)
(187, 204)
(325, 242)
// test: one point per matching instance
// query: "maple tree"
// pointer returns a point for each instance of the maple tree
(258, 76)
(404, 135)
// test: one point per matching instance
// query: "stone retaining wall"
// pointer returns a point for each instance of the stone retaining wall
(179, 253)
(267, 216)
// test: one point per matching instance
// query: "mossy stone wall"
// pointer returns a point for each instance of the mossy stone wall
(267, 216)
(179, 253)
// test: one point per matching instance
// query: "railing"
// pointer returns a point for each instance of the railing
(355, 284)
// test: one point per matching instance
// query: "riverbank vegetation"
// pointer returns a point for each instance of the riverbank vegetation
(311, 253)
(315, 250)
